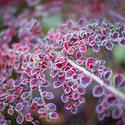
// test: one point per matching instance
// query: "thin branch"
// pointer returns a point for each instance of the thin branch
(98, 80)
(41, 95)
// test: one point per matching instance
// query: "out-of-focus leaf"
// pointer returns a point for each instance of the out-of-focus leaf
(113, 84)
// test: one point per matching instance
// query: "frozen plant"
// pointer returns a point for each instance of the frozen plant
(28, 58)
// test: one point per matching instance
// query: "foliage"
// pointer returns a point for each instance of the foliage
(35, 58)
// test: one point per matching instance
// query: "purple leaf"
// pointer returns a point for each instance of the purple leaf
(51, 106)
(122, 42)
(69, 74)
(34, 82)
(41, 110)
(64, 98)
(74, 110)
(53, 73)
(10, 111)
(97, 91)
(25, 95)
(45, 84)
(40, 102)
(117, 113)
(100, 108)
(118, 79)
(54, 115)
(19, 106)
(81, 90)
(85, 81)
(20, 119)
(57, 84)
(96, 48)
(49, 96)
(109, 46)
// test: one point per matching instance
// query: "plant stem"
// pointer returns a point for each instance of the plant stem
(98, 80)
(41, 95)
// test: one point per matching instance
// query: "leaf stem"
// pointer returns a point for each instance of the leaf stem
(98, 80)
